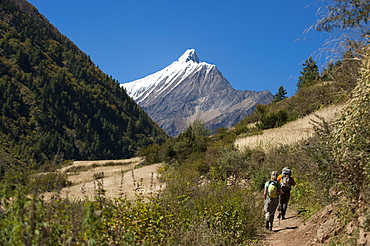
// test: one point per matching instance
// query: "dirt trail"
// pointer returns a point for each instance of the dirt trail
(291, 231)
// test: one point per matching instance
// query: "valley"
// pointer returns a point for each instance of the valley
(125, 178)
(179, 157)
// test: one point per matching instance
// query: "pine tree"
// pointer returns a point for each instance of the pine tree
(54, 100)
(280, 94)
(310, 73)
(327, 73)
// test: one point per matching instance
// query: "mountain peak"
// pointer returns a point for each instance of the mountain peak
(188, 89)
(189, 55)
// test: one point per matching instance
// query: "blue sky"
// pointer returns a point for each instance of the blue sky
(257, 45)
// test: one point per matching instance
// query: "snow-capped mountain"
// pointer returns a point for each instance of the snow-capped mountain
(167, 78)
(189, 89)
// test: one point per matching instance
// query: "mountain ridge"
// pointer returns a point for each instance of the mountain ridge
(188, 89)
(55, 102)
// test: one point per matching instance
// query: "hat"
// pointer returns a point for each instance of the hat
(274, 175)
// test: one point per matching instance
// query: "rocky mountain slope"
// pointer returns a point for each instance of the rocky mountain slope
(189, 89)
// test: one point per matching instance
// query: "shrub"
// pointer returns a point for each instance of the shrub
(151, 154)
(215, 214)
(28, 220)
(49, 182)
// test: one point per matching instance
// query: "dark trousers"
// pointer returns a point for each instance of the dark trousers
(283, 205)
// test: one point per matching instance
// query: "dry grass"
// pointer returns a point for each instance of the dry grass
(119, 180)
(75, 164)
(288, 134)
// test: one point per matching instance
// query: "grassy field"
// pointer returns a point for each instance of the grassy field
(122, 178)
(290, 133)
(118, 178)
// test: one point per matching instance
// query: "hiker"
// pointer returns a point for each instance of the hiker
(287, 181)
(271, 193)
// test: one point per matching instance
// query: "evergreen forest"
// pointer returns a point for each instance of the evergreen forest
(56, 106)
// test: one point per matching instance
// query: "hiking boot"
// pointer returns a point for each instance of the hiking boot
(270, 229)
(267, 225)
(279, 215)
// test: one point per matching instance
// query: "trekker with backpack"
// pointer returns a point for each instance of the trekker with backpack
(287, 181)
(271, 193)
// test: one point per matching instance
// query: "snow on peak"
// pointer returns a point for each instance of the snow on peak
(189, 55)
(173, 74)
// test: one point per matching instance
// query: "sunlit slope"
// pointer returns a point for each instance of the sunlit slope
(288, 134)
(117, 178)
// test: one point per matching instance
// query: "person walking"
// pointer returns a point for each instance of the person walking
(271, 193)
(287, 181)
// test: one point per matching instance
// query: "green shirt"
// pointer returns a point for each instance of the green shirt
(268, 182)
(277, 184)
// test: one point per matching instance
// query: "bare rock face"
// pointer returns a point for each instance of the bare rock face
(188, 90)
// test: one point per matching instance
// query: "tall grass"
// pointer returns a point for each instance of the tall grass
(213, 214)
(289, 134)
(198, 206)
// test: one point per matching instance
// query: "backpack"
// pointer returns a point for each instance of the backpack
(285, 182)
(272, 189)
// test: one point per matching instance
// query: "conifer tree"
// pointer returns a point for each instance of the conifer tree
(310, 73)
(328, 72)
(280, 94)
(55, 101)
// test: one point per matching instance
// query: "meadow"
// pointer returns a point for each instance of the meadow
(192, 201)
(288, 134)
(120, 178)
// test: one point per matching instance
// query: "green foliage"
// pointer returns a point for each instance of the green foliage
(28, 220)
(55, 103)
(280, 94)
(136, 223)
(310, 73)
(264, 117)
(226, 136)
(211, 214)
(193, 140)
(346, 72)
(332, 87)
(226, 212)
(272, 120)
(48, 182)
(229, 163)
(151, 154)
(350, 137)
(214, 214)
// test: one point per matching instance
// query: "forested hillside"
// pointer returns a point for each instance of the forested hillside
(55, 103)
